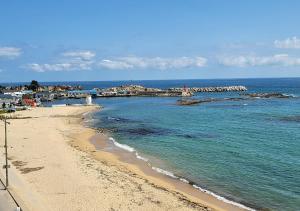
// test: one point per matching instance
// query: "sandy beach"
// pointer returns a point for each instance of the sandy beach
(55, 166)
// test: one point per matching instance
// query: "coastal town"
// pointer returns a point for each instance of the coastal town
(154, 105)
(34, 94)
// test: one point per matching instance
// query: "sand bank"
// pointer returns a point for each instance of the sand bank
(56, 167)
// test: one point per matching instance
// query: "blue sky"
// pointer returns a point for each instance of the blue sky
(61, 40)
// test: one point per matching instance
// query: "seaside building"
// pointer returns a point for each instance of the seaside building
(18, 94)
(8, 100)
(88, 100)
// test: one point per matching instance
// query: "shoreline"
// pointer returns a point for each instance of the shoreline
(179, 182)
(55, 166)
(128, 155)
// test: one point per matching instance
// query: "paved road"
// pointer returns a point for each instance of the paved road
(6, 202)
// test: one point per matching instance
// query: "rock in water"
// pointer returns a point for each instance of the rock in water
(267, 95)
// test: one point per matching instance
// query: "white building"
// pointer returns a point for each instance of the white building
(88, 100)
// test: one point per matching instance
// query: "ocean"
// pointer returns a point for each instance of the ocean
(245, 151)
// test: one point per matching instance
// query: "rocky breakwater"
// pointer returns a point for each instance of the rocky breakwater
(132, 88)
(213, 89)
(138, 90)
(206, 100)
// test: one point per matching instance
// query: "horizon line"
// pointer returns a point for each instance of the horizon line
(189, 79)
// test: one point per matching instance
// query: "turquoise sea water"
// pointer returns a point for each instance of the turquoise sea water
(247, 151)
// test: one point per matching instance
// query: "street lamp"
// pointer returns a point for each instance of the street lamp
(6, 166)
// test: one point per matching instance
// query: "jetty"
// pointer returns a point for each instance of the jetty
(214, 89)
(137, 90)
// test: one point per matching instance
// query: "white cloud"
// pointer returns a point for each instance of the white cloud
(113, 64)
(71, 60)
(86, 55)
(50, 67)
(133, 62)
(292, 43)
(10, 52)
(85, 60)
(246, 61)
(64, 66)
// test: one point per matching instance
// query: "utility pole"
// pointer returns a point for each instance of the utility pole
(6, 166)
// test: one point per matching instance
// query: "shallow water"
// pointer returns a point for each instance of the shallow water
(247, 151)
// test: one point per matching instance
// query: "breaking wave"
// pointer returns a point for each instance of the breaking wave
(172, 175)
(122, 146)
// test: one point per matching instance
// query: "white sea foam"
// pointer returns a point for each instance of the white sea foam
(170, 174)
(89, 120)
(221, 198)
(184, 180)
(128, 148)
(140, 157)
(162, 171)
(122, 146)
(113, 118)
(290, 95)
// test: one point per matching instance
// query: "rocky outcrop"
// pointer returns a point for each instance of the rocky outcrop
(267, 95)
(188, 102)
(206, 100)
(247, 96)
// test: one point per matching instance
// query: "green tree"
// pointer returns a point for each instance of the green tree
(34, 85)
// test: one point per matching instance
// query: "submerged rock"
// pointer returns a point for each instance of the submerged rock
(188, 136)
(118, 119)
(206, 100)
(291, 118)
(188, 102)
(144, 131)
(197, 136)
(267, 95)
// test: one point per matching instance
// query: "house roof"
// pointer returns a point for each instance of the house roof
(2, 96)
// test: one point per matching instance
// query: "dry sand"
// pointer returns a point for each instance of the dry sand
(55, 167)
